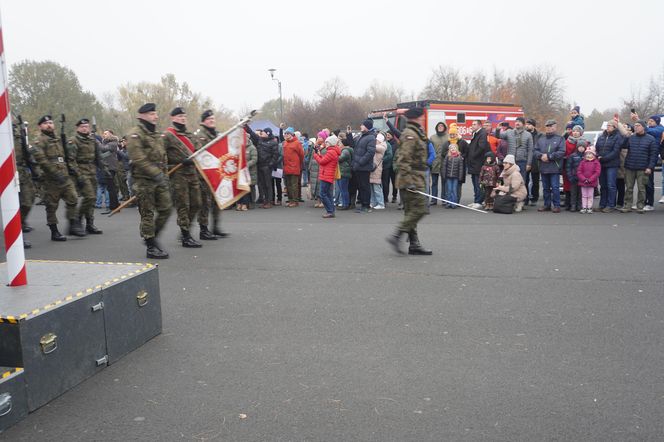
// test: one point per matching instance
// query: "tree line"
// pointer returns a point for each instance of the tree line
(41, 87)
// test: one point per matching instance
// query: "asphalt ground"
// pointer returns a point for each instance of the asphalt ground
(533, 326)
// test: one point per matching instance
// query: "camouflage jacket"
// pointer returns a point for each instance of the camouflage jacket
(146, 152)
(412, 158)
(49, 154)
(82, 154)
(177, 151)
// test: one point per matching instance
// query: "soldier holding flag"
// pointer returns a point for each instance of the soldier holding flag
(179, 145)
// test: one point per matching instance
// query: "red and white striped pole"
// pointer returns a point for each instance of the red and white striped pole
(9, 185)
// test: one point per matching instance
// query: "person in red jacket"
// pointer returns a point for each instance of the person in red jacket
(327, 171)
(293, 161)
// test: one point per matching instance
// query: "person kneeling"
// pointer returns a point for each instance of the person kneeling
(511, 194)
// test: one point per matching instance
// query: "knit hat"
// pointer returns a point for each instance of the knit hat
(578, 128)
(521, 119)
(290, 130)
(656, 119)
(591, 150)
(509, 159)
(577, 109)
(569, 126)
(453, 129)
(531, 121)
(323, 134)
(368, 123)
(332, 140)
(642, 123)
(268, 131)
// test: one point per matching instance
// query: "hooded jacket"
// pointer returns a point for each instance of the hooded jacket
(608, 149)
(438, 140)
(328, 163)
(364, 151)
(589, 170)
(514, 181)
(293, 156)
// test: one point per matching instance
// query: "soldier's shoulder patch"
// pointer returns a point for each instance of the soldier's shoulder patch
(134, 136)
(410, 137)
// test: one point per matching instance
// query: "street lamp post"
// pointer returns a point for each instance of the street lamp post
(281, 103)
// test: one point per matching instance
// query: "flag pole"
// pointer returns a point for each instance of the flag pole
(9, 186)
(242, 122)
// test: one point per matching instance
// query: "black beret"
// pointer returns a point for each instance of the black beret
(414, 112)
(207, 114)
(177, 111)
(82, 121)
(147, 107)
(531, 121)
(44, 119)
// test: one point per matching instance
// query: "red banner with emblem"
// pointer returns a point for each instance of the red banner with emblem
(223, 165)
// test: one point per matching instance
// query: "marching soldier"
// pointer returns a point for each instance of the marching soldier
(412, 164)
(206, 133)
(26, 168)
(185, 186)
(50, 155)
(83, 162)
(145, 148)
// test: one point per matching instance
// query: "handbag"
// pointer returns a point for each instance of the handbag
(337, 173)
(504, 204)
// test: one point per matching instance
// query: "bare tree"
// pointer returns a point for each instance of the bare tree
(648, 102)
(446, 83)
(540, 91)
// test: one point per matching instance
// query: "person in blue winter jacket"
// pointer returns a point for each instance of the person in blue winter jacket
(575, 117)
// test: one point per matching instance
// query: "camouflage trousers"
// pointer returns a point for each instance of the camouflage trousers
(186, 190)
(88, 194)
(414, 209)
(152, 198)
(26, 196)
(53, 193)
(208, 203)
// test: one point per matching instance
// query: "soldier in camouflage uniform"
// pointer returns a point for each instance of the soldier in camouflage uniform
(83, 159)
(145, 147)
(206, 133)
(26, 167)
(185, 186)
(50, 156)
(412, 165)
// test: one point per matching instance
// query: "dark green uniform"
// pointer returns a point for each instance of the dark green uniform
(49, 154)
(203, 136)
(185, 185)
(83, 161)
(146, 152)
(412, 165)
(26, 196)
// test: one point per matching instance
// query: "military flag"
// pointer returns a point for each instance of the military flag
(223, 165)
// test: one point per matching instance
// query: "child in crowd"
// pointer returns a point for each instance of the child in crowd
(489, 179)
(572, 165)
(588, 175)
(453, 170)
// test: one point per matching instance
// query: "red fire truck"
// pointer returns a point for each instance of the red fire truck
(462, 113)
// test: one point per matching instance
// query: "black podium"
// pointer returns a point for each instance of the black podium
(70, 321)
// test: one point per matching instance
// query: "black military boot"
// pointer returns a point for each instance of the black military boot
(395, 240)
(154, 251)
(90, 226)
(26, 244)
(216, 230)
(206, 234)
(55, 233)
(25, 228)
(188, 241)
(76, 228)
(415, 248)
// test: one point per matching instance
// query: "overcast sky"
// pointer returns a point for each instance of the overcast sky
(224, 49)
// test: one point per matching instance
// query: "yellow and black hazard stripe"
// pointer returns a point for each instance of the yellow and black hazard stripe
(15, 319)
(6, 374)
